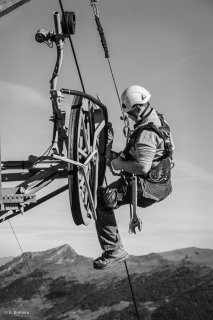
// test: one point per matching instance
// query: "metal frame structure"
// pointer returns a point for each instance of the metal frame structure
(37, 172)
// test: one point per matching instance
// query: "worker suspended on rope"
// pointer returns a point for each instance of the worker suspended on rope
(148, 155)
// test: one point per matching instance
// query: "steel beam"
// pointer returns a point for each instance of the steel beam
(9, 5)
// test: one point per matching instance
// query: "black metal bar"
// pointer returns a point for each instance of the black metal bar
(40, 177)
(24, 164)
(0, 177)
(39, 201)
(7, 7)
(22, 176)
(89, 97)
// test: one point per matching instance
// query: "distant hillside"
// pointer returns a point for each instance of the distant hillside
(195, 255)
(175, 285)
(5, 260)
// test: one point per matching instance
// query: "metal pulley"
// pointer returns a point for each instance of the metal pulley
(68, 22)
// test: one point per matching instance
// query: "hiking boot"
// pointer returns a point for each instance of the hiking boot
(110, 258)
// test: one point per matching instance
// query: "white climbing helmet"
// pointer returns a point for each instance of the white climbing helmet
(134, 95)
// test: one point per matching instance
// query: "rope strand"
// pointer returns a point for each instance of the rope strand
(133, 296)
(113, 78)
(106, 52)
(28, 266)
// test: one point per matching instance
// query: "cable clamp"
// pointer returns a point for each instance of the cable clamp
(95, 9)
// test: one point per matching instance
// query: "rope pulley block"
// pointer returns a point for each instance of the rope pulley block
(68, 22)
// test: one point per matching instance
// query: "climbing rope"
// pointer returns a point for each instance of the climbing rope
(133, 296)
(126, 129)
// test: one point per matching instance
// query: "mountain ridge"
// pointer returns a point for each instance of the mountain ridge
(71, 289)
(66, 262)
(68, 254)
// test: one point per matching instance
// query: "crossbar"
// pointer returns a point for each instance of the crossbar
(39, 201)
(83, 167)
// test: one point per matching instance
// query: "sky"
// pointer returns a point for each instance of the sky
(165, 46)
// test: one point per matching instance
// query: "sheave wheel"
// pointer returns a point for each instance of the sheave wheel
(84, 120)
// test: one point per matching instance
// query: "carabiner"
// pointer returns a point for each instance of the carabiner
(126, 131)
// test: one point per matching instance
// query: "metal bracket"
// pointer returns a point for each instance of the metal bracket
(56, 94)
(15, 198)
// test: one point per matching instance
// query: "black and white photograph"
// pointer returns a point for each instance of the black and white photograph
(106, 157)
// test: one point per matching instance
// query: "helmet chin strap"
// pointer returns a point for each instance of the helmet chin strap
(145, 115)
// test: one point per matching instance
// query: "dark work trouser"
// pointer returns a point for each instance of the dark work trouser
(111, 197)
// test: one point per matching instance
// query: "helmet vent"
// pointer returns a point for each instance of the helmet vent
(143, 96)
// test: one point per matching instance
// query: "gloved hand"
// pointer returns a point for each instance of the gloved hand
(116, 163)
(109, 154)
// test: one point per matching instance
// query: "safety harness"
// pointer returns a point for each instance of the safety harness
(160, 171)
(161, 166)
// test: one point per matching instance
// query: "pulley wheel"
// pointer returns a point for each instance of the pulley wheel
(84, 119)
(69, 22)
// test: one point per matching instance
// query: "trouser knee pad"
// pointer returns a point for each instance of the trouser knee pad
(107, 198)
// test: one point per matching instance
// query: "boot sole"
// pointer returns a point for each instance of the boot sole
(120, 259)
